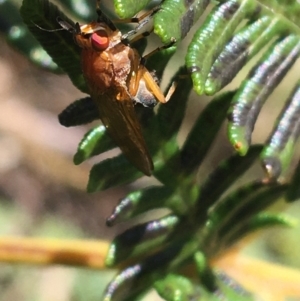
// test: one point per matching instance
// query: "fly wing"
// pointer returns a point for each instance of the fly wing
(121, 122)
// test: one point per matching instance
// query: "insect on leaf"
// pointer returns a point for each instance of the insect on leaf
(116, 78)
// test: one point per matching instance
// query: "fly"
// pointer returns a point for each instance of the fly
(115, 75)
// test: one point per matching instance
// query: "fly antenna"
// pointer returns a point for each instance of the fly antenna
(48, 30)
(66, 26)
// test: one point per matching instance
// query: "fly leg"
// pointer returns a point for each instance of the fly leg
(136, 38)
(142, 21)
(145, 57)
(148, 14)
(136, 86)
(150, 81)
(152, 86)
(143, 86)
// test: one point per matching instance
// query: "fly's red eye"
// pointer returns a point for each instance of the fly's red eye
(100, 40)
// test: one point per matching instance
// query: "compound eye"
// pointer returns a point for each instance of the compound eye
(100, 40)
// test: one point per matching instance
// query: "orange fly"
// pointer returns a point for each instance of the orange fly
(115, 75)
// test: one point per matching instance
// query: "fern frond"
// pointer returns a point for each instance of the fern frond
(205, 218)
(252, 94)
(277, 153)
(79, 112)
(212, 36)
(95, 142)
(176, 18)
